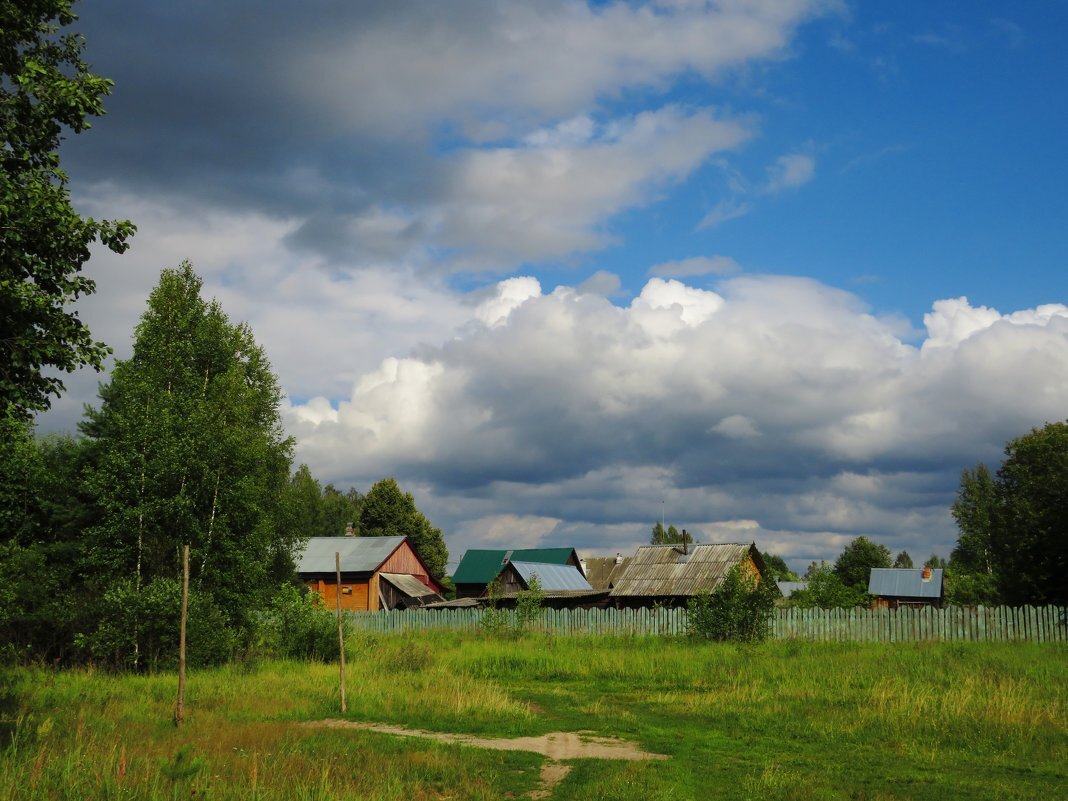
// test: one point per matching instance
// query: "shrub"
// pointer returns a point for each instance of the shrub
(740, 610)
(528, 608)
(297, 625)
(494, 620)
(139, 629)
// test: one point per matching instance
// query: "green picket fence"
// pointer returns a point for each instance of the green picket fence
(907, 624)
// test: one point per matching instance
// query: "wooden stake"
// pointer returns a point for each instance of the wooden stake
(340, 630)
(179, 709)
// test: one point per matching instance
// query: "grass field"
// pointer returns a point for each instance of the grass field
(777, 721)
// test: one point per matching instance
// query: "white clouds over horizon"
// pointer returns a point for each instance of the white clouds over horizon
(774, 399)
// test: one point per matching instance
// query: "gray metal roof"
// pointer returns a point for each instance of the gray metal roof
(552, 577)
(789, 587)
(664, 570)
(905, 582)
(409, 585)
(358, 554)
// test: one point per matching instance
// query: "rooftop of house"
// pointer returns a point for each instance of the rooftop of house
(897, 582)
(553, 578)
(672, 570)
(358, 554)
(603, 571)
(481, 566)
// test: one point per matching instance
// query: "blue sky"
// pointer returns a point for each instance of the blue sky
(557, 267)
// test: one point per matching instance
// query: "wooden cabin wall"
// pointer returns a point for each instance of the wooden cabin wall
(404, 560)
(355, 600)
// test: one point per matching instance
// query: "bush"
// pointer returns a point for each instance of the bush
(740, 610)
(140, 629)
(297, 625)
(528, 609)
(827, 591)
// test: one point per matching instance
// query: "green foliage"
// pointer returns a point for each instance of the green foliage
(139, 627)
(183, 765)
(339, 509)
(528, 605)
(45, 86)
(495, 620)
(777, 568)
(739, 610)
(827, 591)
(855, 563)
(672, 536)
(21, 474)
(308, 510)
(298, 626)
(188, 447)
(970, 589)
(1029, 527)
(387, 511)
(973, 510)
(903, 561)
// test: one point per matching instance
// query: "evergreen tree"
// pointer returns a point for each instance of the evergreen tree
(387, 511)
(188, 448)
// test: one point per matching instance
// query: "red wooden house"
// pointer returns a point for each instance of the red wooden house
(377, 573)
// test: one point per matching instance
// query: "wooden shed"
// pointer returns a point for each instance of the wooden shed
(377, 573)
(895, 587)
(669, 575)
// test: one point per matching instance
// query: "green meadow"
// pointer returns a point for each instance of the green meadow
(781, 720)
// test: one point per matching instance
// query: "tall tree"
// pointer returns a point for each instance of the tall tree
(45, 87)
(1029, 526)
(671, 536)
(973, 510)
(777, 567)
(300, 512)
(188, 447)
(339, 509)
(827, 590)
(388, 511)
(854, 564)
(903, 560)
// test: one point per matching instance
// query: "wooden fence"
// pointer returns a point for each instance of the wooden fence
(907, 624)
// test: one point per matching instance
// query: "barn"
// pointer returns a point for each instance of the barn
(377, 573)
(669, 575)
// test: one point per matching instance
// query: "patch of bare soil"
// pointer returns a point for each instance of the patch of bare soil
(557, 747)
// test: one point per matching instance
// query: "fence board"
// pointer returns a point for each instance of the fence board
(982, 624)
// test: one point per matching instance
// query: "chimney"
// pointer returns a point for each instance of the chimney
(619, 558)
(926, 572)
(685, 542)
(350, 530)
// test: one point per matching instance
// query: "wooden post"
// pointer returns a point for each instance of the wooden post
(179, 709)
(340, 629)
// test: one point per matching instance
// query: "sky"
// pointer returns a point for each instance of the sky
(773, 271)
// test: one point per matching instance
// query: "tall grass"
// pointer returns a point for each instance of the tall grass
(779, 720)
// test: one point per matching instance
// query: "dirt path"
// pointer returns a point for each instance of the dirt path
(557, 747)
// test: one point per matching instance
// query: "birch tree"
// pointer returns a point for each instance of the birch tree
(189, 448)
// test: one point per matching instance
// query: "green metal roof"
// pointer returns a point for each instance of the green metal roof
(482, 566)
